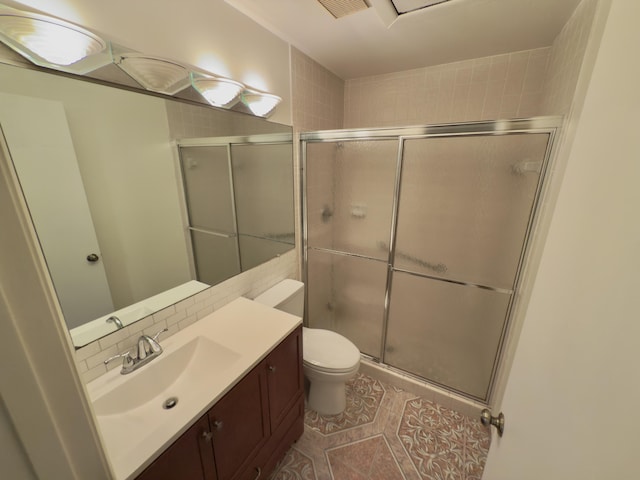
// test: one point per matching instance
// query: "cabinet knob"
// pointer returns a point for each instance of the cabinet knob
(217, 424)
(258, 472)
(207, 436)
(92, 258)
(271, 368)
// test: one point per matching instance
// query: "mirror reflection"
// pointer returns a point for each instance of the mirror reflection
(133, 214)
(240, 212)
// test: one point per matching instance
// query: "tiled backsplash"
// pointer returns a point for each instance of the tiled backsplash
(90, 359)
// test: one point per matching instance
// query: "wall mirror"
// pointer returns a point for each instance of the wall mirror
(140, 200)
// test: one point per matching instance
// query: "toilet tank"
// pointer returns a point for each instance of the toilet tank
(288, 296)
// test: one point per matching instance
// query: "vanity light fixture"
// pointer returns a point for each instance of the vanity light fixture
(261, 104)
(52, 43)
(154, 74)
(218, 91)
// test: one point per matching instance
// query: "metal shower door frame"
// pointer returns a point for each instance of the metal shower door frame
(541, 125)
(228, 142)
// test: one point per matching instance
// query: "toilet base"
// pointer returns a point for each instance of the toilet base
(327, 398)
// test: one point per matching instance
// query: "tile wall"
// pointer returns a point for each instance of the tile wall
(193, 121)
(500, 86)
(519, 84)
(318, 95)
(565, 60)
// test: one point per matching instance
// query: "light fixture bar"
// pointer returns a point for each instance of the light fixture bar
(261, 104)
(154, 74)
(59, 45)
(52, 43)
(218, 91)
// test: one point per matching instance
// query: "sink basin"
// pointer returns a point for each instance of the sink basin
(180, 374)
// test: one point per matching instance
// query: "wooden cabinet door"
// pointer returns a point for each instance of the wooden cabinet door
(188, 458)
(240, 423)
(284, 376)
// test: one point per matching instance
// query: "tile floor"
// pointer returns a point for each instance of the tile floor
(387, 434)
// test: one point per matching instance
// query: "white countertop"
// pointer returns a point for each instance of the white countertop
(135, 438)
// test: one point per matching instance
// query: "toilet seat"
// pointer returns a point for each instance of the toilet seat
(329, 371)
(328, 351)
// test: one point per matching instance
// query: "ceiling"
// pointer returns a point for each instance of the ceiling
(376, 40)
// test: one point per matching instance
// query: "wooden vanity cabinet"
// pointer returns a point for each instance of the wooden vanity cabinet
(245, 434)
(285, 388)
(188, 458)
(240, 423)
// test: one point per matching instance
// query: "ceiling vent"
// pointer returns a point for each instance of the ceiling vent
(406, 6)
(342, 8)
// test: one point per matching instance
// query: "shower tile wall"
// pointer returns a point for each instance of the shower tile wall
(565, 61)
(519, 84)
(500, 86)
(318, 95)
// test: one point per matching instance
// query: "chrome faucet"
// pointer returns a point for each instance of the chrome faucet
(116, 320)
(148, 348)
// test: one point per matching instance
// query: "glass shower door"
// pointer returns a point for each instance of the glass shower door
(349, 203)
(264, 209)
(206, 175)
(464, 209)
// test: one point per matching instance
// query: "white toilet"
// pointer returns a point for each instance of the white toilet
(329, 359)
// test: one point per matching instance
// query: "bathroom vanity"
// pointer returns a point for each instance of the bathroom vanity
(237, 379)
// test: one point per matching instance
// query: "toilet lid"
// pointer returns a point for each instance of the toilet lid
(328, 350)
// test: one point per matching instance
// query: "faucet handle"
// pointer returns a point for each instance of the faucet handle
(148, 345)
(127, 359)
(155, 337)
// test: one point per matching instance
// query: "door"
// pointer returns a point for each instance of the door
(349, 202)
(284, 377)
(240, 424)
(189, 458)
(43, 155)
(465, 205)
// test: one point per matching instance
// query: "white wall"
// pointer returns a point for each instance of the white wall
(13, 458)
(571, 402)
(38, 384)
(218, 38)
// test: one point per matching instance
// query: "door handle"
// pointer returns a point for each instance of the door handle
(92, 258)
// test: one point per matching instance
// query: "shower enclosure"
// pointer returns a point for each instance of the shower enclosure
(238, 195)
(414, 239)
